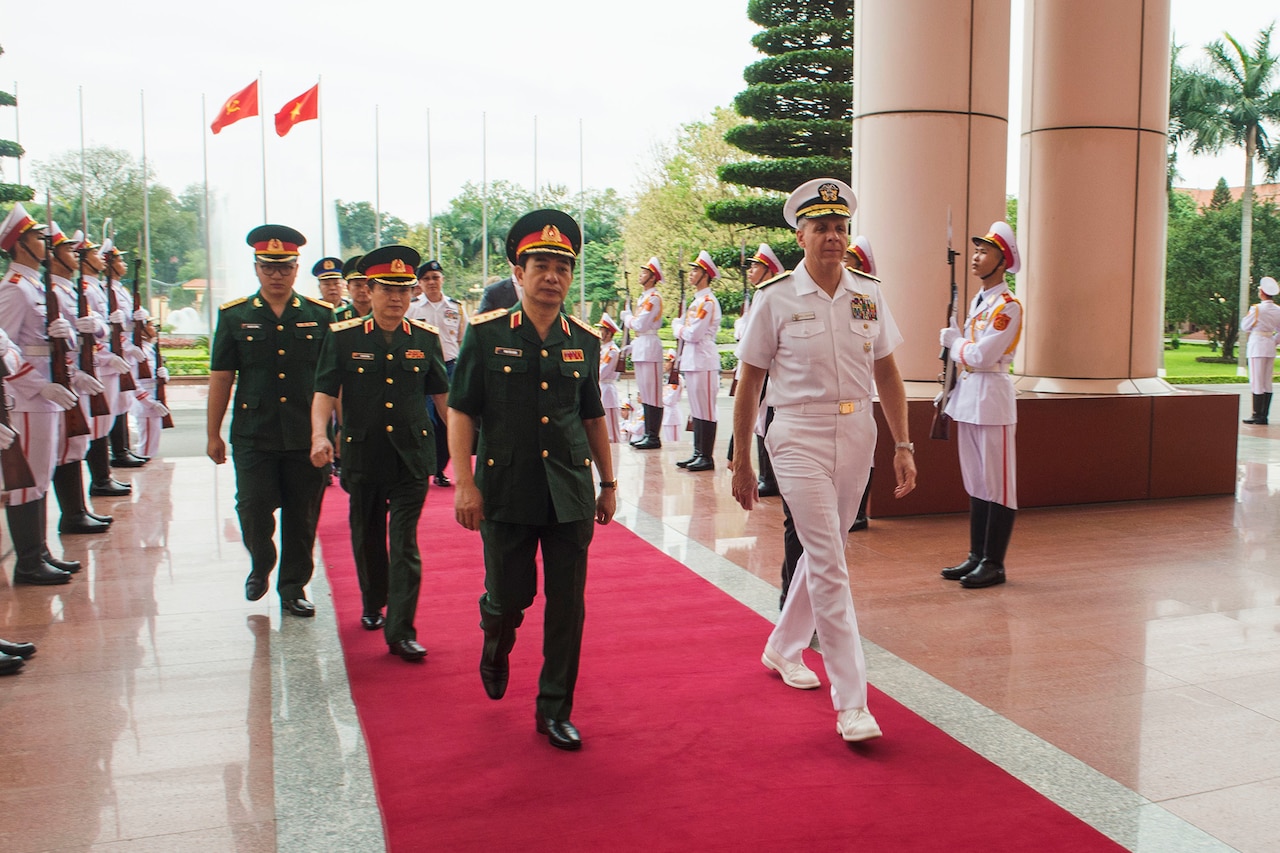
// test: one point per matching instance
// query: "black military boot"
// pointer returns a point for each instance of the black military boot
(42, 520)
(1257, 417)
(24, 528)
(697, 445)
(652, 429)
(999, 529)
(101, 484)
(766, 485)
(978, 513)
(499, 639)
(121, 455)
(1264, 409)
(706, 445)
(68, 485)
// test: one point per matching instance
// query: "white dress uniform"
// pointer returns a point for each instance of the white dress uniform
(820, 354)
(646, 346)
(447, 316)
(610, 358)
(73, 449)
(147, 411)
(118, 403)
(672, 415)
(983, 403)
(700, 360)
(1262, 323)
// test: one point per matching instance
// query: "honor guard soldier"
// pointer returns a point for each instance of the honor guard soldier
(610, 362)
(646, 353)
(761, 267)
(268, 344)
(125, 317)
(383, 367)
(39, 405)
(700, 361)
(529, 373)
(1262, 323)
(984, 407)
(360, 303)
(450, 318)
(825, 337)
(329, 281)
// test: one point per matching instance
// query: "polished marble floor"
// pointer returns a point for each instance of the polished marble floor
(1130, 669)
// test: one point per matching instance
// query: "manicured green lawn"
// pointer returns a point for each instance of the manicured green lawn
(1181, 367)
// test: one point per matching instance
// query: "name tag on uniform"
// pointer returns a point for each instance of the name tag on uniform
(362, 356)
(808, 315)
(414, 353)
(574, 355)
(305, 325)
(514, 353)
(864, 308)
(251, 325)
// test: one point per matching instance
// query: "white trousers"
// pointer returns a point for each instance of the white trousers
(612, 421)
(1260, 375)
(149, 430)
(649, 382)
(822, 463)
(702, 386)
(989, 462)
(40, 434)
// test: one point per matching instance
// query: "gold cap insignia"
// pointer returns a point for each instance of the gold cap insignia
(274, 245)
(329, 265)
(828, 192)
(551, 234)
(397, 266)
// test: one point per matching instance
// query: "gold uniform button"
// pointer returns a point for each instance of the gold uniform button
(544, 353)
(415, 368)
(586, 461)
(283, 399)
(545, 419)
(544, 386)
(490, 463)
(390, 428)
(866, 326)
(244, 405)
(248, 337)
(280, 375)
(279, 328)
(359, 370)
(279, 351)
(391, 405)
(308, 337)
(390, 381)
(576, 374)
(506, 368)
(348, 439)
(390, 356)
(545, 454)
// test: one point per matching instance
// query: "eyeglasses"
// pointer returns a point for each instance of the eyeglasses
(277, 270)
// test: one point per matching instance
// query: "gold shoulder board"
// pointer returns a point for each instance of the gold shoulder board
(779, 277)
(586, 326)
(864, 275)
(424, 325)
(489, 315)
(234, 302)
(345, 324)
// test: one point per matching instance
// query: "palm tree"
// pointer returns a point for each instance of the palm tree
(1229, 102)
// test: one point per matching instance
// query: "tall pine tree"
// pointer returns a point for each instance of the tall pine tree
(9, 148)
(800, 97)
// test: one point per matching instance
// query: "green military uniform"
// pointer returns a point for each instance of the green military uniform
(533, 470)
(274, 359)
(388, 453)
(345, 311)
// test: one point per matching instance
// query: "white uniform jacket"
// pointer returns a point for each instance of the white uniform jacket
(1262, 322)
(22, 315)
(984, 391)
(610, 358)
(447, 316)
(701, 322)
(644, 323)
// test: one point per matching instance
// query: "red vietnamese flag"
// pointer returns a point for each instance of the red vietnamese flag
(243, 104)
(305, 107)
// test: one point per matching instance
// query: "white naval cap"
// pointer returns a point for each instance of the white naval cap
(1268, 286)
(819, 197)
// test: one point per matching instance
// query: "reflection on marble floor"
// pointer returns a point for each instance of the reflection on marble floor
(1129, 669)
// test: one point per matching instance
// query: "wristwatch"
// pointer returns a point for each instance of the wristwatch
(909, 446)
(608, 484)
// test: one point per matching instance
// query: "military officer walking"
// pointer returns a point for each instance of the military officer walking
(646, 353)
(360, 300)
(984, 408)
(450, 318)
(1262, 323)
(267, 345)
(383, 367)
(530, 374)
(700, 361)
(329, 281)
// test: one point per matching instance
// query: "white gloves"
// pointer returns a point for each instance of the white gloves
(83, 383)
(133, 353)
(117, 316)
(948, 336)
(162, 373)
(677, 326)
(626, 316)
(60, 328)
(4, 344)
(151, 407)
(7, 437)
(63, 398)
(140, 316)
(87, 325)
(114, 363)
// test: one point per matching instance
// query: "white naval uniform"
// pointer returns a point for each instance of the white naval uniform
(1262, 322)
(700, 359)
(983, 403)
(610, 358)
(820, 354)
(447, 316)
(41, 423)
(646, 347)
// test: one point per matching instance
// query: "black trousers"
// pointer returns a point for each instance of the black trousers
(267, 480)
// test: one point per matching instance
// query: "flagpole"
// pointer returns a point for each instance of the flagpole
(431, 230)
(535, 160)
(582, 217)
(324, 250)
(262, 128)
(377, 178)
(146, 201)
(84, 201)
(208, 242)
(17, 126)
(484, 198)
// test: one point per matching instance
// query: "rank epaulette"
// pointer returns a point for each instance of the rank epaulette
(315, 301)
(865, 275)
(345, 324)
(595, 332)
(1009, 297)
(779, 277)
(424, 325)
(234, 302)
(489, 315)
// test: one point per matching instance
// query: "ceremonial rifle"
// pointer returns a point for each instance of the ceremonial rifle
(941, 426)
(13, 462)
(673, 378)
(117, 331)
(167, 421)
(742, 310)
(98, 406)
(626, 324)
(59, 348)
(144, 366)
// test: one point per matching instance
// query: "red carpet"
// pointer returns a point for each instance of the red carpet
(690, 744)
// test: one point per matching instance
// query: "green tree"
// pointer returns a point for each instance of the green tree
(358, 227)
(9, 148)
(1229, 102)
(801, 99)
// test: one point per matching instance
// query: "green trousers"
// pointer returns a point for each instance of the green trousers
(267, 480)
(510, 582)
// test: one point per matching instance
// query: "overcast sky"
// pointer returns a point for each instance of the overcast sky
(631, 73)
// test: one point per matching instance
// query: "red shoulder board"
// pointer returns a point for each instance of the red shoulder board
(1009, 297)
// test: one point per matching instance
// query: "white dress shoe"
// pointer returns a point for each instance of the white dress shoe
(857, 724)
(793, 674)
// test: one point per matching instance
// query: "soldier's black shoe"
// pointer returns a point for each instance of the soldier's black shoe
(97, 516)
(767, 488)
(298, 607)
(442, 481)
(82, 523)
(373, 621)
(561, 733)
(127, 460)
(988, 573)
(494, 677)
(17, 650)
(41, 574)
(10, 664)
(956, 572)
(685, 463)
(648, 442)
(860, 523)
(109, 488)
(702, 463)
(69, 566)
(254, 587)
(410, 650)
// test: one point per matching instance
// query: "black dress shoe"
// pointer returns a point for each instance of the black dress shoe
(97, 516)
(255, 587)
(649, 442)
(69, 566)
(82, 523)
(685, 463)
(859, 523)
(494, 677)
(127, 460)
(373, 621)
(42, 574)
(767, 488)
(17, 650)
(298, 607)
(407, 649)
(109, 488)
(10, 664)
(561, 733)
(987, 574)
(702, 463)
(956, 572)
(442, 480)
